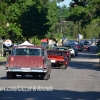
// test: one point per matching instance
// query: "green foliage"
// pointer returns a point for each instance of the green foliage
(36, 41)
(62, 12)
(27, 18)
(88, 14)
(51, 15)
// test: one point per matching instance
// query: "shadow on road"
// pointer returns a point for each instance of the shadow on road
(49, 95)
(85, 65)
(86, 54)
(27, 77)
(2, 62)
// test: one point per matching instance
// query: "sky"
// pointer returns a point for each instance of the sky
(66, 2)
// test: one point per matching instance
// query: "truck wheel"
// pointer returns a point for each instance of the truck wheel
(76, 54)
(64, 66)
(73, 56)
(9, 75)
(69, 58)
(13, 76)
(45, 76)
(23, 75)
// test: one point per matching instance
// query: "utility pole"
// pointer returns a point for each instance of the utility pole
(78, 31)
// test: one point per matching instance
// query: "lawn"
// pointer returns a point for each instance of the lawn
(3, 58)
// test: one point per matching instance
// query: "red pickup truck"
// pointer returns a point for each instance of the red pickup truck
(28, 60)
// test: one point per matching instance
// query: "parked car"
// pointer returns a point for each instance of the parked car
(58, 58)
(28, 60)
(65, 50)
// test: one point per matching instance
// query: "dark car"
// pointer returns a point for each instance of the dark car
(79, 47)
(28, 60)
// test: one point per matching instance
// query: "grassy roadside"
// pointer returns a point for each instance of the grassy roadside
(3, 58)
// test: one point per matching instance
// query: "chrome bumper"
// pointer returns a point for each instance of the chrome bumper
(26, 70)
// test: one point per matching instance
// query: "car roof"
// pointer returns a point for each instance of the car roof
(60, 47)
(55, 50)
(28, 46)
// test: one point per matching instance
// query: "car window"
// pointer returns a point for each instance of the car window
(54, 52)
(13, 52)
(42, 52)
(69, 47)
(61, 48)
(27, 51)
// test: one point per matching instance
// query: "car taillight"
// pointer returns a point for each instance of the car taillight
(67, 53)
(44, 60)
(44, 63)
(66, 62)
(7, 63)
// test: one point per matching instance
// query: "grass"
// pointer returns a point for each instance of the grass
(3, 58)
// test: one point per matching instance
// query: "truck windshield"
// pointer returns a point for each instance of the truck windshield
(28, 51)
(54, 53)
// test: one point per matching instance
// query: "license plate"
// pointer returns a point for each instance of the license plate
(53, 61)
(25, 69)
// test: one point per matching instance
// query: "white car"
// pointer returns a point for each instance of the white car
(72, 50)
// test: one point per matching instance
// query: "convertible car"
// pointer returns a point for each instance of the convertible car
(58, 58)
(28, 60)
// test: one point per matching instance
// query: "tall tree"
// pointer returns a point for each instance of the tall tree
(27, 18)
(84, 12)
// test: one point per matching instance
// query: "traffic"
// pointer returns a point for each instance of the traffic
(31, 72)
(37, 61)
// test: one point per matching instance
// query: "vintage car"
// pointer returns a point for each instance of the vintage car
(65, 50)
(28, 60)
(86, 46)
(72, 50)
(58, 58)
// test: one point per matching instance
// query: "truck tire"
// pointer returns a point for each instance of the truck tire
(45, 76)
(13, 76)
(23, 75)
(9, 75)
(64, 66)
(69, 58)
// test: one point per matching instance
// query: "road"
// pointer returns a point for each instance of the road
(80, 81)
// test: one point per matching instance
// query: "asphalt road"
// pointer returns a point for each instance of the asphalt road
(80, 81)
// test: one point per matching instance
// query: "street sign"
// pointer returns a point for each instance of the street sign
(8, 42)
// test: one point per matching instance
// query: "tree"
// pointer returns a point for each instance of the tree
(27, 18)
(85, 12)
